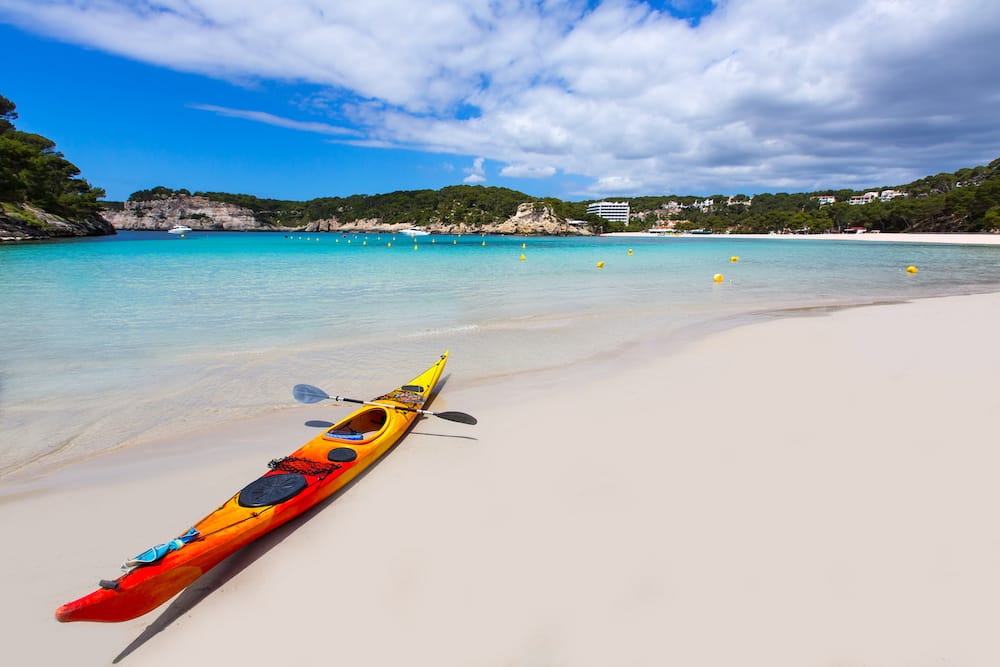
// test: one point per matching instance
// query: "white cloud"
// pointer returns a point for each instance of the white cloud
(475, 173)
(527, 171)
(271, 119)
(760, 94)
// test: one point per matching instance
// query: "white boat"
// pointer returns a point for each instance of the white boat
(179, 229)
(414, 231)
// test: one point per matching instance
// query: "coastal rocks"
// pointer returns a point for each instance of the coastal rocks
(536, 218)
(23, 222)
(364, 225)
(204, 214)
(198, 213)
(530, 219)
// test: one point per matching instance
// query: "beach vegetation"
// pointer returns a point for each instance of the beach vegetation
(33, 172)
(159, 192)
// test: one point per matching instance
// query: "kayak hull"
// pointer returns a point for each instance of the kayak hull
(327, 463)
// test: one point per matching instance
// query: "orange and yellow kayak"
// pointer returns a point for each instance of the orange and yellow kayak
(291, 486)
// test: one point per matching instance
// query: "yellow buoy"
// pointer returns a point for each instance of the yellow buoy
(522, 256)
(454, 242)
(484, 242)
(718, 277)
(522, 246)
(911, 269)
(414, 246)
(600, 265)
(734, 259)
(362, 243)
(630, 252)
(389, 244)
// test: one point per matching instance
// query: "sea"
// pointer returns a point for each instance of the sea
(114, 341)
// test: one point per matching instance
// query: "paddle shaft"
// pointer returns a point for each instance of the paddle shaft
(306, 393)
(451, 416)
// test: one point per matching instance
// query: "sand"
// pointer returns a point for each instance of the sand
(950, 238)
(809, 490)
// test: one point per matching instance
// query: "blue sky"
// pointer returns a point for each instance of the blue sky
(580, 99)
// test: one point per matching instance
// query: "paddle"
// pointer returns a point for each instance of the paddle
(306, 393)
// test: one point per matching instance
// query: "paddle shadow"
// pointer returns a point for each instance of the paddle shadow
(218, 576)
(449, 436)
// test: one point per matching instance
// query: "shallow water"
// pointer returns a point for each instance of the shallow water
(112, 341)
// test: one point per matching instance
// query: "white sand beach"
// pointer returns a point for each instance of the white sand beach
(809, 490)
(956, 238)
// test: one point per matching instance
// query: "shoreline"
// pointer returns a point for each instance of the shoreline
(789, 483)
(969, 238)
(143, 454)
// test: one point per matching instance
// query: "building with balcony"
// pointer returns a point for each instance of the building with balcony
(615, 211)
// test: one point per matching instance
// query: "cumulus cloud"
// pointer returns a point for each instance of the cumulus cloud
(637, 97)
(476, 173)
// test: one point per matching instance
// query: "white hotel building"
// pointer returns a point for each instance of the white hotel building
(615, 211)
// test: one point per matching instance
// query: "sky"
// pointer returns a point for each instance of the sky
(579, 99)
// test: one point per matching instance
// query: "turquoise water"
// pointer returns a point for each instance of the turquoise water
(111, 341)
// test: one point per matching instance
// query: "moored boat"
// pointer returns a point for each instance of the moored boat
(179, 229)
(292, 485)
(414, 231)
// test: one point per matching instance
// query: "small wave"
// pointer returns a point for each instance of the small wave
(427, 333)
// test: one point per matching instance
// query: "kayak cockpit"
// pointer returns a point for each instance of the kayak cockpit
(359, 428)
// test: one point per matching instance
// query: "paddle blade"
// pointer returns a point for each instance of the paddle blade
(306, 393)
(460, 417)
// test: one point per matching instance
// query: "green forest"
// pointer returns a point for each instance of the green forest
(470, 204)
(33, 172)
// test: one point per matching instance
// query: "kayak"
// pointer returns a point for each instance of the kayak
(292, 485)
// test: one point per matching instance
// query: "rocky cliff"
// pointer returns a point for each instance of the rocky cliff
(23, 222)
(538, 219)
(530, 219)
(203, 214)
(198, 213)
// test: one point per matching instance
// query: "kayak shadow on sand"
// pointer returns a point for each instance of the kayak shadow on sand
(218, 576)
(215, 578)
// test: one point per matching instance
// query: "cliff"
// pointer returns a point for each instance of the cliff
(538, 219)
(530, 219)
(198, 213)
(204, 214)
(23, 222)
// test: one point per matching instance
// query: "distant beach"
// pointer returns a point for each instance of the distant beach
(957, 239)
